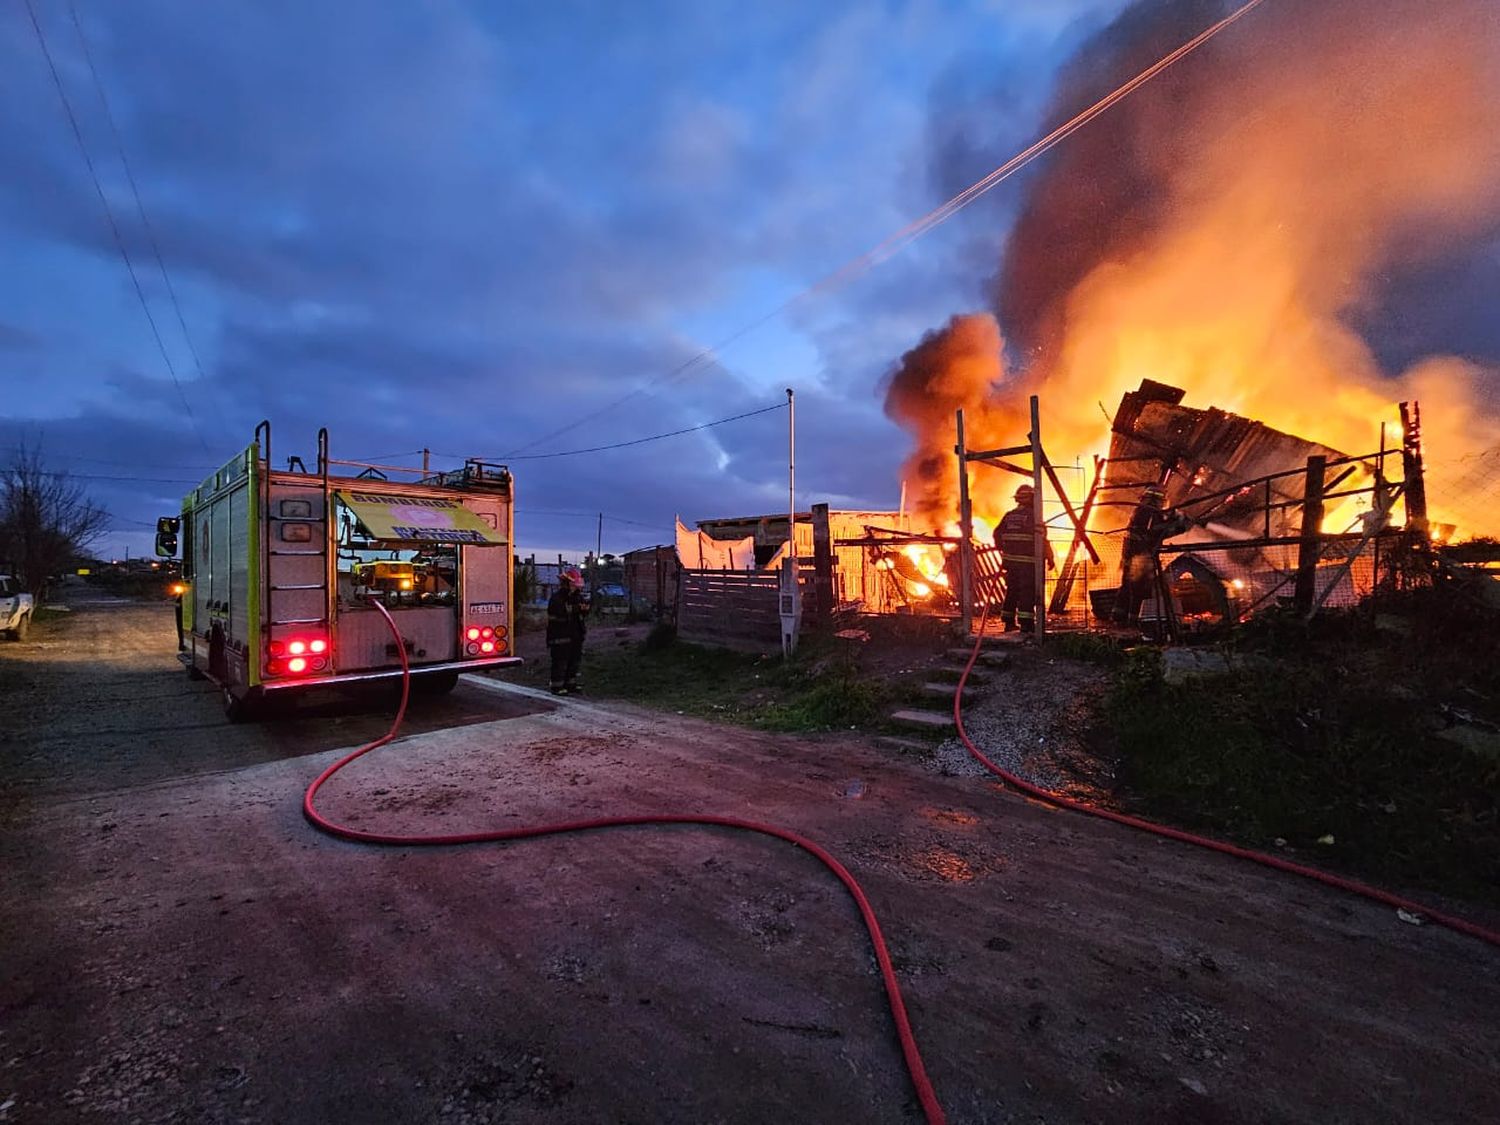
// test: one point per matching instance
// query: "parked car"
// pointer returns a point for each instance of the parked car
(16, 607)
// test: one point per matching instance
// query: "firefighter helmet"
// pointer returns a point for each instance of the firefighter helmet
(1025, 492)
(573, 575)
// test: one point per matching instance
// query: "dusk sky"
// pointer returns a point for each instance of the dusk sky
(467, 226)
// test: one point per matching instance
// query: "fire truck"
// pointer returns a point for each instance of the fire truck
(282, 569)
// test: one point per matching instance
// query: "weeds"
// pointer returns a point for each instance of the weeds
(1334, 738)
(1092, 648)
(821, 689)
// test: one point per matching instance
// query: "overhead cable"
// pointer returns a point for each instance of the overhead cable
(135, 191)
(908, 234)
(114, 226)
(643, 440)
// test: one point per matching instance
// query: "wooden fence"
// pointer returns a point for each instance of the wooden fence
(738, 609)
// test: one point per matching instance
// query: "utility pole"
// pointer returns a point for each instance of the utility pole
(598, 547)
(791, 476)
(791, 591)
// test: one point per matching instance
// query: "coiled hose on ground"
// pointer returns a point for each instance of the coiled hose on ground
(1453, 922)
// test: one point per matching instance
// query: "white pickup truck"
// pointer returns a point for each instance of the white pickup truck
(15, 608)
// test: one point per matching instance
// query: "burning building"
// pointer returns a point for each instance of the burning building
(1229, 230)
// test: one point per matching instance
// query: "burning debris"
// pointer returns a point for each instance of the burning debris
(1186, 452)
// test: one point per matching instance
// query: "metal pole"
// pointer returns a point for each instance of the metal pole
(426, 460)
(965, 534)
(1039, 534)
(790, 599)
(791, 477)
(598, 548)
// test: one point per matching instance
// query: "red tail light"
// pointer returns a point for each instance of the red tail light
(484, 640)
(296, 656)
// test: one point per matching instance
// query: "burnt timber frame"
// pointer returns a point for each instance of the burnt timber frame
(1040, 468)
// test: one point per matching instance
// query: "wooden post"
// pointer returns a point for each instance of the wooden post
(1039, 533)
(822, 567)
(1064, 588)
(1080, 523)
(1380, 494)
(1411, 463)
(965, 535)
(1309, 549)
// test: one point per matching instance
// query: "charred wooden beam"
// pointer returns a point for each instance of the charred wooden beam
(1309, 548)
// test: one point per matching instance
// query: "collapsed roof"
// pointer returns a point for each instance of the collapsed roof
(1190, 452)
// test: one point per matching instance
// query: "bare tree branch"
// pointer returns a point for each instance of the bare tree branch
(46, 519)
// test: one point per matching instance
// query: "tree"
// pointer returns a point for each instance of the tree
(46, 519)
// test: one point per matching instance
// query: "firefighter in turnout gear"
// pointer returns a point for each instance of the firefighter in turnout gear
(1016, 539)
(566, 611)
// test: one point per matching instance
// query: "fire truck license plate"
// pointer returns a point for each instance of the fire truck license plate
(480, 609)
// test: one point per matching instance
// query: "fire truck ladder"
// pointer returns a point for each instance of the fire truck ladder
(274, 547)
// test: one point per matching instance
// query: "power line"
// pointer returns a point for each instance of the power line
(110, 461)
(127, 519)
(639, 441)
(109, 215)
(584, 516)
(898, 241)
(97, 476)
(941, 214)
(135, 191)
(398, 453)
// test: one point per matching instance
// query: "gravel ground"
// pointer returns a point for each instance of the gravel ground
(1029, 718)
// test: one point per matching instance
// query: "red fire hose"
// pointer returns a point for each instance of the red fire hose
(919, 1080)
(1452, 922)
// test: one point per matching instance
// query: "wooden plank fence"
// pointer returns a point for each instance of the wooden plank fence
(739, 609)
(730, 608)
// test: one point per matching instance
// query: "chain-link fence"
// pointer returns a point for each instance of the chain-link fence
(1463, 495)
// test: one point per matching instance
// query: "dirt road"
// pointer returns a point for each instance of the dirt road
(177, 945)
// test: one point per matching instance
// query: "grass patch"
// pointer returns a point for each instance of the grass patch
(1093, 648)
(1330, 731)
(816, 691)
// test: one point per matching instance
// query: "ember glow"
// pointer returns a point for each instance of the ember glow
(1222, 230)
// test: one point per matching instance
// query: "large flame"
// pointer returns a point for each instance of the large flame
(1223, 230)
